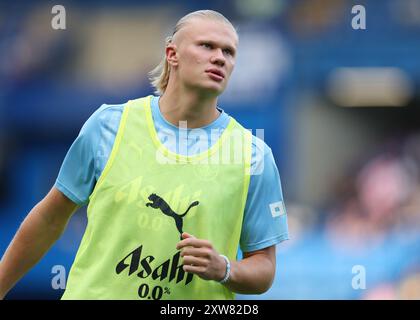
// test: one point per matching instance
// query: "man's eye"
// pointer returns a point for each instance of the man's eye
(206, 45)
(228, 51)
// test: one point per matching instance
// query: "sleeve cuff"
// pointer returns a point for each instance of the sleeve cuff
(68, 193)
(265, 243)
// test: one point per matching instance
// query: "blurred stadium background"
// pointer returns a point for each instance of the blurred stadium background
(340, 109)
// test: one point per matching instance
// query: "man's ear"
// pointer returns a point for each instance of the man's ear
(171, 55)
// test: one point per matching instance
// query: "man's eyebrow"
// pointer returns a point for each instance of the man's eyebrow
(226, 46)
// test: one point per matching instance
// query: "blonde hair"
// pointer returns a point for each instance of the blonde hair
(159, 76)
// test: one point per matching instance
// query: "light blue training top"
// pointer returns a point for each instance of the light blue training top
(265, 218)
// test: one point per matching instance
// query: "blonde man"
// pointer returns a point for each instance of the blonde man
(165, 214)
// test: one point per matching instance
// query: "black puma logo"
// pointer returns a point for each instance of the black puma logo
(158, 203)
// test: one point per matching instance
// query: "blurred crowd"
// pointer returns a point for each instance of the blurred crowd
(378, 203)
(380, 197)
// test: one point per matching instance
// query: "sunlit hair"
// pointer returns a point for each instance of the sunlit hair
(159, 76)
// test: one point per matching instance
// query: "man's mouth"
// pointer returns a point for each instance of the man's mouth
(215, 74)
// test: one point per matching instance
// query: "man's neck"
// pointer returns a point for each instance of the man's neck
(190, 107)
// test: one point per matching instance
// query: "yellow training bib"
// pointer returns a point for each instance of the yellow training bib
(145, 198)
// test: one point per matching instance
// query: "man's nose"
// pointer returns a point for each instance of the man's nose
(218, 57)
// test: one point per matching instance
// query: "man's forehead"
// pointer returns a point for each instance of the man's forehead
(208, 29)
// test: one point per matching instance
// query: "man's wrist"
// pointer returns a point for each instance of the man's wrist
(227, 271)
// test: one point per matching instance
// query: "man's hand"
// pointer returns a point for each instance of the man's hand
(254, 274)
(201, 258)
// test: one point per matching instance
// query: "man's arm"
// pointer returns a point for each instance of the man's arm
(254, 274)
(41, 228)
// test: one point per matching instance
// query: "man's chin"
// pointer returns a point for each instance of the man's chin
(208, 89)
(215, 90)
